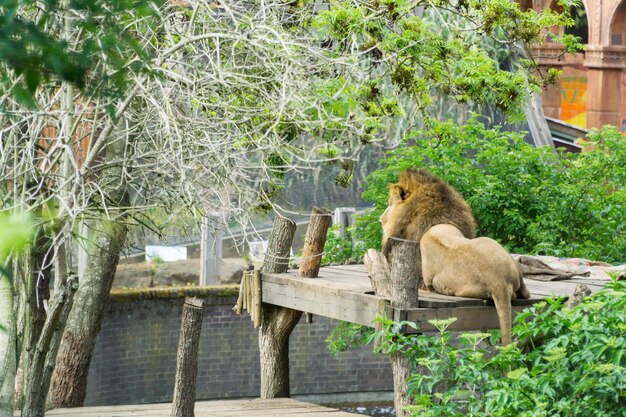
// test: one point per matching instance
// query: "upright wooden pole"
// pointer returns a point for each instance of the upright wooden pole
(276, 322)
(314, 242)
(184, 399)
(313, 250)
(211, 236)
(402, 273)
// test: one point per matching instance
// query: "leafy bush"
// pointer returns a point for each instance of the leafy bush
(338, 248)
(346, 335)
(531, 200)
(578, 370)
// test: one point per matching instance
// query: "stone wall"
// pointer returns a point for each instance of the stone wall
(135, 354)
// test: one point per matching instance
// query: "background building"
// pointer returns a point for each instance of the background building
(593, 87)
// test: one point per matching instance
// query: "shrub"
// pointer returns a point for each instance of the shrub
(578, 370)
(531, 200)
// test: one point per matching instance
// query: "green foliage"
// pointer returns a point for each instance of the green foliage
(346, 335)
(531, 200)
(577, 370)
(16, 233)
(34, 43)
(442, 48)
(338, 248)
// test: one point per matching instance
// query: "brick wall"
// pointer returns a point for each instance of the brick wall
(135, 354)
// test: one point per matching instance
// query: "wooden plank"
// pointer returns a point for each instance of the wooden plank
(306, 295)
(360, 268)
(468, 318)
(565, 287)
(344, 292)
(222, 408)
(590, 281)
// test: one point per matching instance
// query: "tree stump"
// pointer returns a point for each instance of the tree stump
(184, 399)
(576, 298)
(399, 277)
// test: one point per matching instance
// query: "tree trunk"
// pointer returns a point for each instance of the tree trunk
(277, 322)
(184, 398)
(69, 380)
(43, 361)
(8, 353)
(37, 267)
(399, 277)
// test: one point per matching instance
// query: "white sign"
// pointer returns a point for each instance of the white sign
(166, 253)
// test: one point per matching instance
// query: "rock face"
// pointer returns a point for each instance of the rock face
(232, 270)
(133, 275)
(179, 273)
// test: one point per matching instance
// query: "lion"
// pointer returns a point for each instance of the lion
(425, 209)
(419, 201)
(475, 268)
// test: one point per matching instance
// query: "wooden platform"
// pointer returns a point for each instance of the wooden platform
(344, 293)
(280, 407)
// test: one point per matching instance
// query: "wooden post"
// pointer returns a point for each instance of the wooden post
(211, 236)
(276, 322)
(342, 217)
(402, 273)
(313, 250)
(576, 298)
(314, 242)
(184, 399)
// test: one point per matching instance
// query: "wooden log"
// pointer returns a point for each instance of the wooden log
(405, 274)
(276, 322)
(244, 290)
(402, 274)
(249, 293)
(238, 308)
(276, 259)
(379, 271)
(184, 399)
(314, 242)
(576, 298)
(257, 298)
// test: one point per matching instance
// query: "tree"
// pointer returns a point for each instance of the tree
(208, 106)
(15, 234)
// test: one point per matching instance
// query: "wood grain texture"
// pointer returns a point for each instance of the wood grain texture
(279, 407)
(345, 293)
(314, 241)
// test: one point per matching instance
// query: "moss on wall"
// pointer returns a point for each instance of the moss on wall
(161, 293)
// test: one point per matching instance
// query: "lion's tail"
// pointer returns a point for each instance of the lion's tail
(502, 300)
